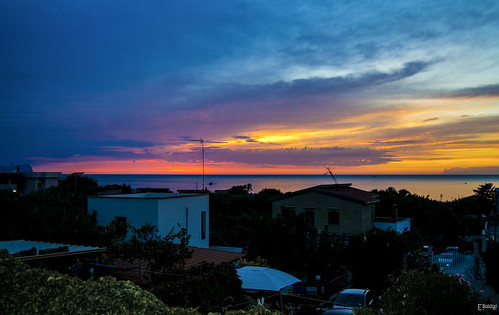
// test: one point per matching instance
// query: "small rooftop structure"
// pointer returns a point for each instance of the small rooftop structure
(399, 226)
(31, 250)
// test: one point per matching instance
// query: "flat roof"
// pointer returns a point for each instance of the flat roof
(149, 195)
(29, 250)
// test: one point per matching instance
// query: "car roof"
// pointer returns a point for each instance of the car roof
(354, 291)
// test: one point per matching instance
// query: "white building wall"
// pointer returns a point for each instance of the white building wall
(166, 211)
(137, 211)
(399, 227)
(185, 212)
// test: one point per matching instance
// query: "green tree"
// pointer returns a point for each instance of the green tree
(26, 290)
(161, 254)
(286, 242)
(491, 258)
(377, 254)
(426, 292)
(240, 190)
(205, 287)
(271, 192)
(235, 218)
(427, 215)
(486, 198)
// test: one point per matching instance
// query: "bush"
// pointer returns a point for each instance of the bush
(426, 292)
(26, 290)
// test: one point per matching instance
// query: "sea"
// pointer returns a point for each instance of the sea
(437, 187)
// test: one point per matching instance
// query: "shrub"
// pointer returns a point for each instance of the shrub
(426, 292)
(26, 290)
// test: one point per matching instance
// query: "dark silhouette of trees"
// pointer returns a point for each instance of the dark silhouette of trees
(485, 196)
(375, 255)
(426, 292)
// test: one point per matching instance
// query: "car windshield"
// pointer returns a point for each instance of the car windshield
(346, 299)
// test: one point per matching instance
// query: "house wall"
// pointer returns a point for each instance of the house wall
(40, 180)
(165, 213)
(137, 211)
(187, 213)
(400, 226)
(354, 218)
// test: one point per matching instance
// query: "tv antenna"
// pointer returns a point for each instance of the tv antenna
(202, 155)
(330, 172)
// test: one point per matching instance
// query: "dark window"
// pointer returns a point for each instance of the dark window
(203, 225)
(287, 210)
(333, 217)
(310, 215)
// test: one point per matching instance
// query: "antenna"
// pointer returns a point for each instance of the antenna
(330, 172)
(202, 155)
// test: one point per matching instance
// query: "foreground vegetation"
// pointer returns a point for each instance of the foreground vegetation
(426, 292)
(28, 290)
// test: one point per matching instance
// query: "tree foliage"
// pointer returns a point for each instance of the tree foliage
(161, 254)
(377, 254)
(292, 244)
(235, 218)
(426, 292)
(486, 198)
(205, 287)
(26, 290)
(58, 214)
(491, 258)
(240, 189)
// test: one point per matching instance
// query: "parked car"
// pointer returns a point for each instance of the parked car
(349, 299)
(446, 260)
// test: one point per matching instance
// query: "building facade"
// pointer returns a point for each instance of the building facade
(28, 182)
(339, 208)
(167, 211)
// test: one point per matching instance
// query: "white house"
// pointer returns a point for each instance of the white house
(165, 210)
(400, 225)
(28, 182)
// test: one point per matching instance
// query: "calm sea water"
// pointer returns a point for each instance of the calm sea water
(438, 187)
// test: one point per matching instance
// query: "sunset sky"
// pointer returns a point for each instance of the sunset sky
(273, 87)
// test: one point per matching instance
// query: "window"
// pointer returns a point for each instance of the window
(203, 225)
(333, 216)
(288, 210)
(310, 215)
